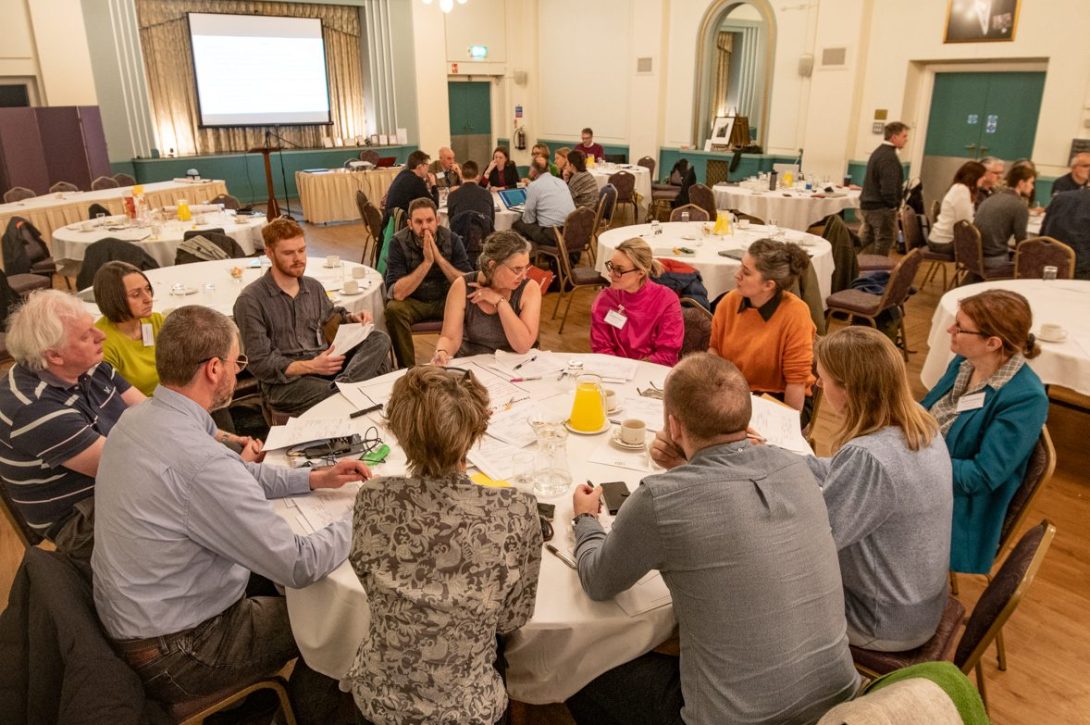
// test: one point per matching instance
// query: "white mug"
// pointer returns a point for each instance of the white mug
(351, 287)
(1052, 331)
(611, 399)
(633, 432)
(359, 272)
(333, 260)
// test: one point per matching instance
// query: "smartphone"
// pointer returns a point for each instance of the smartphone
(546, 510)
(614, 494)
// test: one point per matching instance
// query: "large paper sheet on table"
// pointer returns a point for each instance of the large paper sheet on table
(780, 425)
(502, 394)
(495, 458)
(534, 364)
(324, 506)
(303, 430)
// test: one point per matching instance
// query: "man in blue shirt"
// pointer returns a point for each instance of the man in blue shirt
(181, 522)
(548, 203)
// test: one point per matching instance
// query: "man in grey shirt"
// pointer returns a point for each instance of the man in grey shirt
(548, 203)
(741, 536)
(181, 522)
(1003, 216)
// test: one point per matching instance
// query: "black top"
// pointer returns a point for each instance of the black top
(509, 177)
(407, 253)
(883, 180)
(471, 197)
(406, 187)
(1065, 183)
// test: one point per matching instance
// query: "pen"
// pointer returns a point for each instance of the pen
(525, 361)
(365, 411)
(562, 556)
(523, 380)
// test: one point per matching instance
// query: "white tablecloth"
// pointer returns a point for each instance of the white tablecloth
(330, 196)
(52, 211)
(603, 171)
(70, 243)
(1061, 302)
(718, 271)
(504, 217)
(225, 289)
(790, 209)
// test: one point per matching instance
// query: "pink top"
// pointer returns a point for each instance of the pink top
(654, 330)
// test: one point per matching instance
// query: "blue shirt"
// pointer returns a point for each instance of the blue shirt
(45, 421)
(548, 202)
(181, 521)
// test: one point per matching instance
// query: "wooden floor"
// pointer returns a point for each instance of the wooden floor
(1048, 639)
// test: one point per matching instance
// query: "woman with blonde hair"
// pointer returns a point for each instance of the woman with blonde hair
(990, 406)
(447, 565)
(636, 317)
(888, 490)
(495, 308)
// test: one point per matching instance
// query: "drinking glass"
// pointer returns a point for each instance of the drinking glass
(1049, 272)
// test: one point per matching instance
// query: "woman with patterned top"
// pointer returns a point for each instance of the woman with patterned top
(990, 407)
(584, 189)
(447, 565)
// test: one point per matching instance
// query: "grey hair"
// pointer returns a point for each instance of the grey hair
(989, 160)
(498, 247)
(40, 325)
(190, 336)
(1075, 157)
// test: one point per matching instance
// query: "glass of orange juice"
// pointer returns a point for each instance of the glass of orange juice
(588, 411)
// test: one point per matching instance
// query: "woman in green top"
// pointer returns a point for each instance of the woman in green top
(124, 296)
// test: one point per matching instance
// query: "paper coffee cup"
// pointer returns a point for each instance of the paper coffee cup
(633, 431)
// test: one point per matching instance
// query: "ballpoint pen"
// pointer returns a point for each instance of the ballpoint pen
(562, 556)
(523, 380)
(525, 361)
(365, 411)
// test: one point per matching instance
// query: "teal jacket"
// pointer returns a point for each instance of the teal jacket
(989, 447)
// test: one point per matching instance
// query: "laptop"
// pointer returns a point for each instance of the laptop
(386, 162)
(513, 199)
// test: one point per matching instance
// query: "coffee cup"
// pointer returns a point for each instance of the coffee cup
(1051, 331)
(333, 260)
(611, 399)
(88, 226)
(359, 272)
(351, 287)
(633, 432)
(743, 223)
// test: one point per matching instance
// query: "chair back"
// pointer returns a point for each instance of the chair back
(107, 250)
(370, 155)
(703, 197)
(625, 184)
(696, 213)
(607, 203)
(910, 227)
(206, 245)
(63, 186)
(1033, 255)
(361, 204)
(124, 180)
(19, 525)
(740, 215)
(1039, 469)
(104, 182)
(578, 231)
(1002, 595)
(900, 280)
(936, 208)
(372, 219)
(648, 163)
(228, 201)
(698, 327)
(543, 277)
(96, 209)
(18, 193)
(968, 248)
(473, 227)
(23, 246)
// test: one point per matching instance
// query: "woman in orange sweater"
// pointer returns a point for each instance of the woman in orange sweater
(764, 329)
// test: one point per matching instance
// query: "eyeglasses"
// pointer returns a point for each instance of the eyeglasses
(518, 271)
(959, 331)
(240, 362)
(614, 269)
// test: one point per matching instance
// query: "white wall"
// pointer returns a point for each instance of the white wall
(429, 56)
(481, 22)
(45, 40)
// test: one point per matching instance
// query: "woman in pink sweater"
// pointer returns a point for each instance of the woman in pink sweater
(636, 317)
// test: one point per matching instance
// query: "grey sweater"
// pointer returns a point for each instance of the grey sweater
(1001, 216)
(741, 537)
(891, 510)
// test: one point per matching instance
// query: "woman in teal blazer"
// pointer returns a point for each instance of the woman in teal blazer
(990, 407)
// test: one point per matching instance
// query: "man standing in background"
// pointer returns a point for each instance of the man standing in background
(881, 197)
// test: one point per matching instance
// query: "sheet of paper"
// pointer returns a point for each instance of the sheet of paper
(495, 458)
(649, 410)
(351, 334)
(355, 395)
(534, 364)
(607, 454)
(300, 430)
(609, 367)
(511, 426)
(323, 507)
(379, 390)
(643, 596)
(502, 394)
(779, 425)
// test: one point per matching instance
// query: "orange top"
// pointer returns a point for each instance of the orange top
(772, 345)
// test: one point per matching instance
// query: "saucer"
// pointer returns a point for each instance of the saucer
(1060, 337)
(615, 439)
(183, 291)
(603, 429)
(332, 266)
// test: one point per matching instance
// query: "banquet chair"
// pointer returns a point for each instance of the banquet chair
(914, 239)
(698, 327)
(124, 180)
(370, 156)
(575, 240)
(856, 303)
(969, 256)
(228, 201)
(27, 260)
(936, 208)
(1033, 255)
(104, 182)
(226, 244)
(543, 277)
(625, 184)
(696, 213)
(63, 187)
(994, 607)
(361, 202)
(18, 193)
(648, 163)
(740, 215)
(703, 197)
(97, 209)
(109, 250)
(607, 205)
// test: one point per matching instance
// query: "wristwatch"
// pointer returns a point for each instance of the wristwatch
(575, 521)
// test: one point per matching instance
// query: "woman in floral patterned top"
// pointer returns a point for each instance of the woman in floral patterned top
(446, 564)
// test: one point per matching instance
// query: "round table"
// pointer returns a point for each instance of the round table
(505, 218)
(70, 242)
(569, 641)
(717, 271)
(1060, 302)
(602, 171)
(790, 209)
(213, 286)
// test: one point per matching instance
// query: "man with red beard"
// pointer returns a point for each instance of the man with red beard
(281, 316)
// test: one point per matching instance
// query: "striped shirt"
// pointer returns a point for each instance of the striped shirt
(45, 421)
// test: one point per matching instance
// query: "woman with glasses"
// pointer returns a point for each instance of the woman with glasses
(990, 407)
(447, 565)
(125, 297)
(636, 317)
(764, 329)
(494, 308)
(887, 488)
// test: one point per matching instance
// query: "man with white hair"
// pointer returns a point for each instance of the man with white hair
(57, 405)
(992, 181)
(448, 174)
(1077, 178)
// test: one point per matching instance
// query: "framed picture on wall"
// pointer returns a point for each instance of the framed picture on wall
(981, 21)
(720, 137)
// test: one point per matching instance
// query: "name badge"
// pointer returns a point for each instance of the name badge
(970, 402)
(147, 335)
(616, 318)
